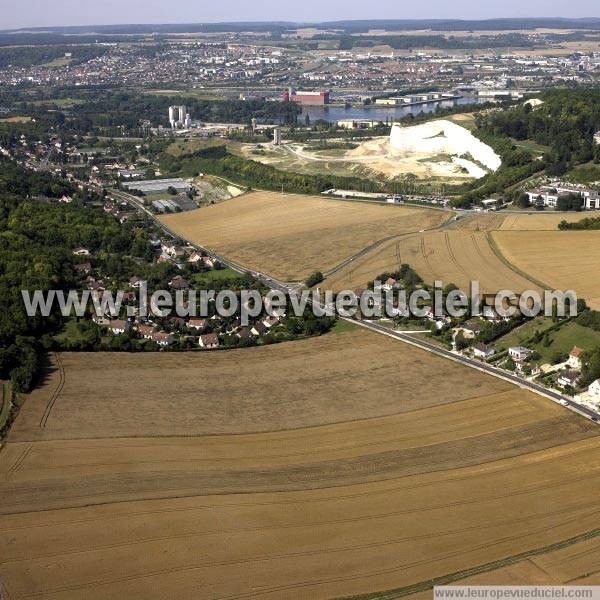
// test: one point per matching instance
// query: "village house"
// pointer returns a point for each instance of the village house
(244, 333)
(481, 350)
(194, 257)
(574, 361)
(118, 326)
(568, 378)
(173, 250)
(101, 320)
(489, 313)
(389, 284)
(471, 329)
(270, 322)
(209, 262)
(259, 329)
(146, 331)
(197, 324)
(594, 390)
(163, 338)
(519, 353)
(179, 283)
(135, 282)
(81, 252)
(209, 341)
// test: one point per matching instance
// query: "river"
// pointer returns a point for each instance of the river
(333, 114)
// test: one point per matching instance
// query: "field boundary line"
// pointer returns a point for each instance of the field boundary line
(496, 250)
(485, 568)
(56, 393)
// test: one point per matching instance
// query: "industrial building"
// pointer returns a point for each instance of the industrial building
(319, 98)
(414, 99)
(179, 117)
(156, 186)
(358, 123)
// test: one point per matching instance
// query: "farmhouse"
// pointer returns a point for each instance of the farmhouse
(209, 341)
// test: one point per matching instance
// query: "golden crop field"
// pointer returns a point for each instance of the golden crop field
(289, 237)
(561, 259)
(222, 479)
(541, 221)
(456, 256)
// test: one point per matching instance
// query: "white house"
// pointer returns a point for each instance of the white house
(519, 353)
(594, 390)
(194, 258)
(483, 351)
(81, 252)
(568, 378)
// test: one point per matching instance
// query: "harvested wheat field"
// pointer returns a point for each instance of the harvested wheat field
(454, 256)
(249, 390)
(117, 487)
(561, 259)
(289, 237)
(540, 221)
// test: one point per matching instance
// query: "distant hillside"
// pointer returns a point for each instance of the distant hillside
(343, 26)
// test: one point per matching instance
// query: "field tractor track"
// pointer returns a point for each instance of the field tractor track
(453, 256)
(56, 393)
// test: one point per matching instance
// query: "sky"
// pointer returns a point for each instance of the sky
(39, 13)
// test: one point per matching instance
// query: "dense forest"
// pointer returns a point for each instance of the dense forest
(407, 42)
(566, 122)
(36, 243)
(26, 56)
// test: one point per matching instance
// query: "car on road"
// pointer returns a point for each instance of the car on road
(564, 402)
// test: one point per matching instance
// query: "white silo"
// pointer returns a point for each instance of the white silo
(173, 116)
(182, 113)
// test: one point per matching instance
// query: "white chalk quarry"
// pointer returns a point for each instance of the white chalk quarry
(445, 137)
